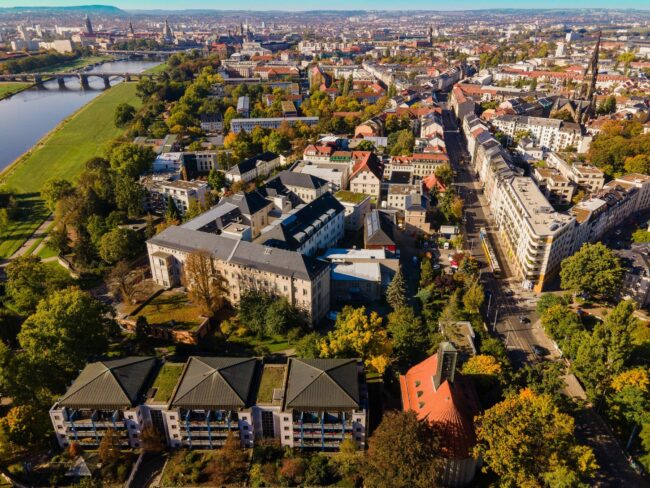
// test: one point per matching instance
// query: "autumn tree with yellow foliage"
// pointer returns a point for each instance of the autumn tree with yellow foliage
(359, 334)
(485, 370)
(528, 442)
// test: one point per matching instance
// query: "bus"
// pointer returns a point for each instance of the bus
(490, 255)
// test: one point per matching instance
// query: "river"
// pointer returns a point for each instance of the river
(27, 116)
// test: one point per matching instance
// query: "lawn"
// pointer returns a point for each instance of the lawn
(159, 68)
(272, 378)
(61, 154)
(74, 64)
(350, 197)
(166, 381)
(172, 306)
(8, 89)
(274, 344)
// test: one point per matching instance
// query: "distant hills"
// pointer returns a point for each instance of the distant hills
(86, 9)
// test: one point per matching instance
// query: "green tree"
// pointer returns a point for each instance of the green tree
(131, 159)
(308, 346)
(29, 280)
(401, 143)
(25, 426)
(409, 337)
(445, 174)
(594, 269)
(525, 439)
(68, 328)
(129, 195)
(53, 190)
(426, 272)
(396, 291)
(403, 452)
(216, 179)
(119, 244)
(474, 297)
(171, 210)
(124, 114)
(280, 316)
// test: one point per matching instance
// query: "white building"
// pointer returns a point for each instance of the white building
(549, 134)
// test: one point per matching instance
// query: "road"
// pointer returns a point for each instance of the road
(511, 315)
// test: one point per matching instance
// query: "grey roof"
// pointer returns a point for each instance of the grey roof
(322, 384)
(283, 232)
(278, 261)
(117, 383)
(249, 203)
(379, 229)
(209, 382)
(249, 164)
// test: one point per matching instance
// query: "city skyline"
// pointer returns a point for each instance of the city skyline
(296, 5)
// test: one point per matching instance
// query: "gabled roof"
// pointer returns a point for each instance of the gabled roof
(366, 161)
(379, 229)
(117, 383)
(209, 382)
(249, 203)
(451, 407)
(249, 164)
(322, 384)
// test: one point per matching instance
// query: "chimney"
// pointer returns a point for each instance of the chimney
(446, 368)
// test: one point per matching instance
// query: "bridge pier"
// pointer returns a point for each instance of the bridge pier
(84, 81)
(107, 83)
(61, 81)
(127, 77)
(38, 79)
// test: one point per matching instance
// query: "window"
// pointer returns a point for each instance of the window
(286, 427)
(130, 417)
(56, 417)
(245, 427)
(172, 417)
(286, 437)
(286, 419)
(175, 436)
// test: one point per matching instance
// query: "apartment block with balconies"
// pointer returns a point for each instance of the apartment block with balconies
(106, 396)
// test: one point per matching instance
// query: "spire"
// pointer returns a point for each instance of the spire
(446, 367)
(167, 32)
(89, 26)
(590, 96)
(131, 31)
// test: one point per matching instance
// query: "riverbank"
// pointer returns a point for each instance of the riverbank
(60, 154)
(11, 88)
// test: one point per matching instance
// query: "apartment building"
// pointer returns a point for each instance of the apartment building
(243, 106)
(403, 196)
(336, 174)
(199, 162)
(211, 122)
(308, 228)
(213, 399)
(182, 193)
(318, 153)
(549, 134)
(537, 238)
(420, 165)
(107, 395)
(585, 176)
(356, 205)
(306, 403)
(238, 125)
(302, 280)
(299, 187)
(258, 166)
(367, 174)
(556, 187)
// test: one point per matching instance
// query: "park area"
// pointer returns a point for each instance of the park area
(61, 154)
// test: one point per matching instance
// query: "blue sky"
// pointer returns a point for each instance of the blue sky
(334, 4)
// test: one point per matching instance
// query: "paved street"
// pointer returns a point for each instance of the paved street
(511, 315)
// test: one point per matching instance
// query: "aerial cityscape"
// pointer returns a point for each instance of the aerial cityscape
(324, 245)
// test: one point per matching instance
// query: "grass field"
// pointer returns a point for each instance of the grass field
(60, 154)
(158, 68)
(8, 89)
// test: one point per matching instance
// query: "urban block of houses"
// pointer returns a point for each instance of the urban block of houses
(311, 404)
(299, 187)
(238, 125)
(182, 193)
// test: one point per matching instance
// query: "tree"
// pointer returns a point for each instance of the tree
(131, 159)
(122, 282)
(151, 440)
(308, 346)
(402, 453)
(119, 244)
(124, 113)
(358, 334)
(68, 328)
(129, 195)
(402, 143)
(603, 353)
(231, 465)
(109, 447)
(53, 190)
(474, 297)
(204, 283)
(594, 269)
(171, 210)
(445, 174)
(525, 438)
(29, 280)
(216, 179)
(24, 426)
(396, 291)
(410, 339)
(280, 316)
(426, 272)
(485, 370)
(365, 145)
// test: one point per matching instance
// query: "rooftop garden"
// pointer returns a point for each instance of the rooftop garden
(272, 378)
(351, 197)
(166, 381)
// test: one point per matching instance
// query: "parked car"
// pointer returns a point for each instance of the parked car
(538, 351)
(332, 315)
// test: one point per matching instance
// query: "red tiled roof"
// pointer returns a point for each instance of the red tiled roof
(451, 408)
(432, 181)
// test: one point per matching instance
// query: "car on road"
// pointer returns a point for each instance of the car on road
(332, 315)
(524, 320)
